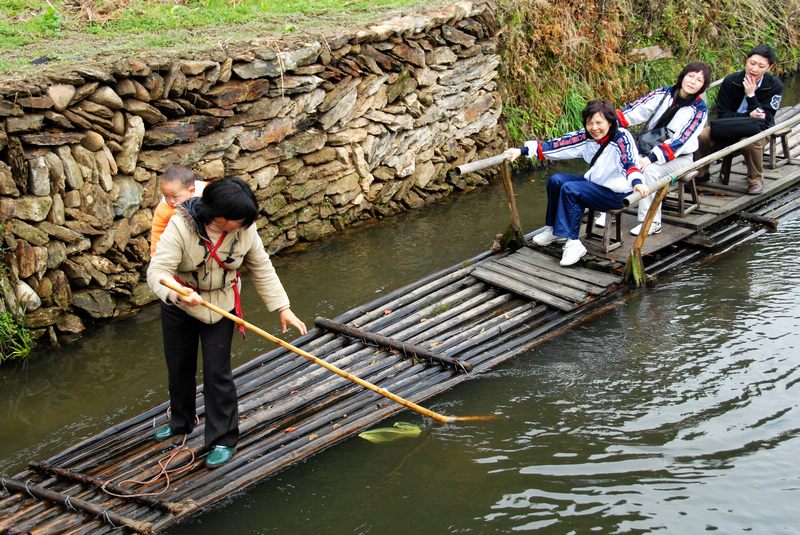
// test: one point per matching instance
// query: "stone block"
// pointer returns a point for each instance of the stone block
(97, 303)
(31, 208)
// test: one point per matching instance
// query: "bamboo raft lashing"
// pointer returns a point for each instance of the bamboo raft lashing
(291, 410)
(409, 350)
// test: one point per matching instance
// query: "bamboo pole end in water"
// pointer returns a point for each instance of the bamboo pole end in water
(486, 418)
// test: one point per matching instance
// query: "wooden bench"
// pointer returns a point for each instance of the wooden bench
(613, 219)
(686, 198)
(787, 155)
(727, 161)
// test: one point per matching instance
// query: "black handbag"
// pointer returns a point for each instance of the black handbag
(729, 128)
(651, 138)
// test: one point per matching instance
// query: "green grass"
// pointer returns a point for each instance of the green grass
(572, 117)
(32, 28)
(16, 341)
(23, 26)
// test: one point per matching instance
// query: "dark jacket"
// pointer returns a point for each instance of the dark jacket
(767, 97)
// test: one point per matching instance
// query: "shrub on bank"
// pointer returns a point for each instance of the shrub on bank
(558, 55)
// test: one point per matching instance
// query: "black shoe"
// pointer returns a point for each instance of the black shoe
(702, 179)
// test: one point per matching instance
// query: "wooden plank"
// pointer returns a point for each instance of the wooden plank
(715, 199)
(550, 275)
(588, 275)
(521, 289)
(732, 198)
(544, 284)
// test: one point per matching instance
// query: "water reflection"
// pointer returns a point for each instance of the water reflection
(676, 412)
(670, 437)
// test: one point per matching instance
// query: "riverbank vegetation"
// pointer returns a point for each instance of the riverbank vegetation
(55, 31)
(16, 341)
(559, 55)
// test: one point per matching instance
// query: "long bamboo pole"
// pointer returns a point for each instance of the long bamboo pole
(471, 167)
(330, 367)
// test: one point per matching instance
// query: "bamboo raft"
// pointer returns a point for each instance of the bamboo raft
(417, 341)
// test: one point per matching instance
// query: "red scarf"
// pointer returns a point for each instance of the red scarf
(237, 298)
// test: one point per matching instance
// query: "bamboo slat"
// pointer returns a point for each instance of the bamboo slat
(513, 285)
(536, 258)
(545, 285)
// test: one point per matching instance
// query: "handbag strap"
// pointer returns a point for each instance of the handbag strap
(660, 102)
(237, 297)
(599, 152)
(668, 115)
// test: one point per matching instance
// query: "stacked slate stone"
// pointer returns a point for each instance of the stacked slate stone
(328, 133)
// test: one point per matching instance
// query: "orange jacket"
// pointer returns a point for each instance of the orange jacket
(160, 219)
(162, 214)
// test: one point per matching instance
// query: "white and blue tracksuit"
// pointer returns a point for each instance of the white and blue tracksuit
(676, 151)
(601, 188)
(685, 126)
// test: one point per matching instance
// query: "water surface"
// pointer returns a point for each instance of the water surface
(677, 411)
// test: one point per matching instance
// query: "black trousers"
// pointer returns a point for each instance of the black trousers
(181, 333)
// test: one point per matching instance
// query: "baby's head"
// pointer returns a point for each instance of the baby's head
(177, 184)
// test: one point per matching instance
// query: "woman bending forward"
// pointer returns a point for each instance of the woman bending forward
(204, 244)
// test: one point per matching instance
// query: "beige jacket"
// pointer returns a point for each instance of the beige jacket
(181, 252)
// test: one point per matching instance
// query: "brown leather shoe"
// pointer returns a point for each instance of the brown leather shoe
(755, 189)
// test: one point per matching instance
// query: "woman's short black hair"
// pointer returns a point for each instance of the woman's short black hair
(764, 51)
(606, 109)
(695, 66)
(230, 198)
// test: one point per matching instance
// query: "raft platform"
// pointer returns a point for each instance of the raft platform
(477, 314)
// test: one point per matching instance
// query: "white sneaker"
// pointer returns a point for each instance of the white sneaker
(655, 228)
(573, 251)
(600, 221)
(546, 237)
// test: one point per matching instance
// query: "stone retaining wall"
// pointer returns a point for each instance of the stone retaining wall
(328, 132)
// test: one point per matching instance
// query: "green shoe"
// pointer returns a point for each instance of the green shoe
(218, 456)
(163, 433)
